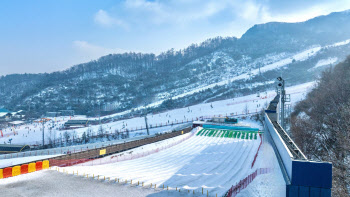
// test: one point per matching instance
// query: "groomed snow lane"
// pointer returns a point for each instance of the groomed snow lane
(214, 163)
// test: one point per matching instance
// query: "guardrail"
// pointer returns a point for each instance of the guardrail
(66, 160)
(126, 157)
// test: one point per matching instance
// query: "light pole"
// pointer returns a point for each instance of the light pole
(282, 101)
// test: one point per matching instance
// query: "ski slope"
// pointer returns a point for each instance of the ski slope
(32, 133)
(210, 162)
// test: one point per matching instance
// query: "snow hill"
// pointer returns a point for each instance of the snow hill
(212, 162)
(32, 133)
(208, 160)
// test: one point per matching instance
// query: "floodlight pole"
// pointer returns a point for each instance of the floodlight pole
(282, 101)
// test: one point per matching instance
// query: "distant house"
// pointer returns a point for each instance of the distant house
(19, 114)
(76, 124)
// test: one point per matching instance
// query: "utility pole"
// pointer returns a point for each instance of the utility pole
(146, 124)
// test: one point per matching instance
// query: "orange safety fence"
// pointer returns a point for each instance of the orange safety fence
(24, 169)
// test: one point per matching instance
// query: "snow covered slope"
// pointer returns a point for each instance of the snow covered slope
(214, 163)
(31, 133)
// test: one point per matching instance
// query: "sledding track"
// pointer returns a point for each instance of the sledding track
(213, 163)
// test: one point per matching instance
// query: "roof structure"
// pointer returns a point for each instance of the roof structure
(12, 148)
(18, 122)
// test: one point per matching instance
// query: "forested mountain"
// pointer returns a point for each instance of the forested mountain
(215, 69)
(320, 124)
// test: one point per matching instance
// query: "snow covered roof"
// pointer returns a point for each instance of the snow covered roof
(2, 114)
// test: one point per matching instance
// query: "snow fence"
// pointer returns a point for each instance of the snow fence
(234, 190)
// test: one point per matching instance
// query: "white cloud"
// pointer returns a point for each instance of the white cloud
(104, 19)
(187, 11)
(87, 51)
(175, 11)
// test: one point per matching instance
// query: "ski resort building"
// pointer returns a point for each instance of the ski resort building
(76, 124)
(12, 148)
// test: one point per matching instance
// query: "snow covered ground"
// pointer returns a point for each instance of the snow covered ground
(212, 163)
(271, 184)
(55, 184)
(32, 133)
(324, 62)
(187, 162)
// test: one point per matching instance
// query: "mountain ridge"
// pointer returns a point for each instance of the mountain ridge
(124, 81)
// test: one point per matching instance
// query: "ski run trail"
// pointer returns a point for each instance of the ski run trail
(210, 159)
(213, 163)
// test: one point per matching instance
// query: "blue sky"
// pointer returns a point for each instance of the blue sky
(46, 36)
